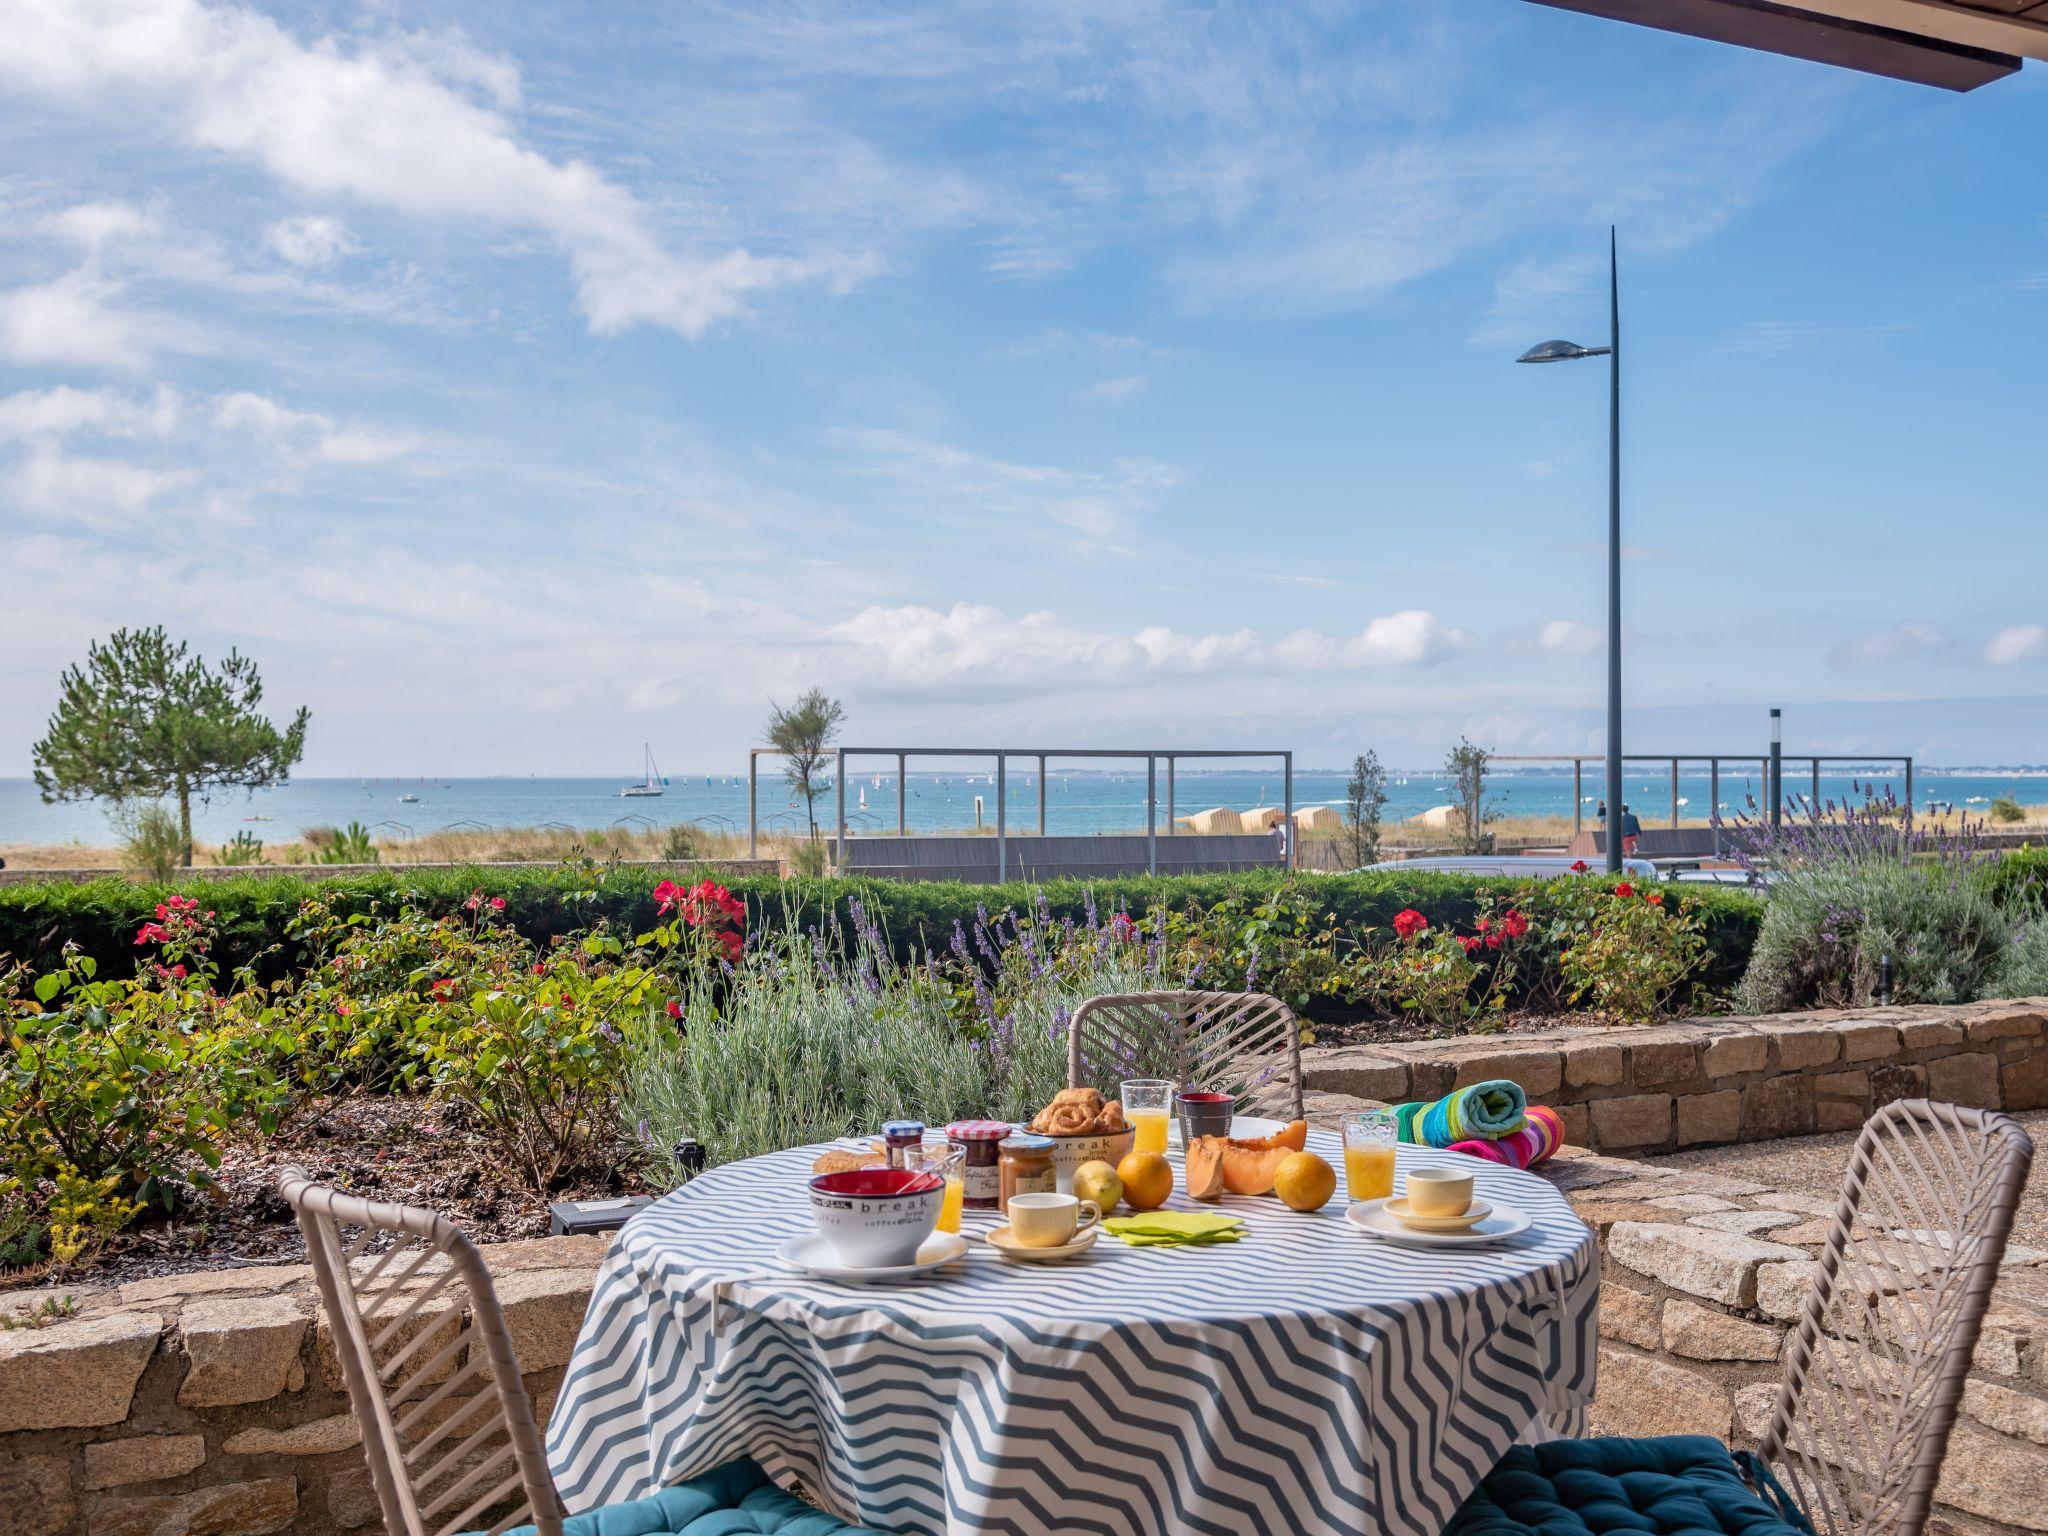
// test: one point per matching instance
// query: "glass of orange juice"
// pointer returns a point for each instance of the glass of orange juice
(1148, 1102)
(950, 1164)
(1369, 1139)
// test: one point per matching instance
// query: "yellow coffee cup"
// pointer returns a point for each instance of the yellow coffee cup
(1437, 1192)
(1049, 1220)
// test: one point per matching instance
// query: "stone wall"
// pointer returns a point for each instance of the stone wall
(1708, 1081)
(212, 1404)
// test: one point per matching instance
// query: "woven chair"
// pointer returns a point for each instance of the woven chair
(448, 1429)
(1872, 1376)
(1243, 1043)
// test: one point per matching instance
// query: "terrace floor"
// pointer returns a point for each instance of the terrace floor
(1813, 1165)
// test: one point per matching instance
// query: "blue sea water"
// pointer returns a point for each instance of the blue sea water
(1096, 799)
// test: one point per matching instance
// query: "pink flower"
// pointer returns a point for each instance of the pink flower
(665, 895)
(152, 933)
(497, 903)
(474, 902)
(1408, 923)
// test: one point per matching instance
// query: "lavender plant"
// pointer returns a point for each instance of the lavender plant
(1850, 883)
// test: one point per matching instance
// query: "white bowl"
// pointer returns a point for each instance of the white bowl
(875, 1217)
(1070, 1152)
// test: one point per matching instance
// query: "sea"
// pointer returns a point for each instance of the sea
(1078, 800)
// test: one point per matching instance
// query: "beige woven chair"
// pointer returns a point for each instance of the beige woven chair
(1232, 1042)
(448, 1429)
(1875, 1371)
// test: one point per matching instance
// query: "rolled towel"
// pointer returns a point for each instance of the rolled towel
(1484, 1111)
(1533, 1143)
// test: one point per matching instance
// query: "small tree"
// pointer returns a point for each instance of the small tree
(142, 719)
(1467, 767)
(1365, 797)
(801, 734)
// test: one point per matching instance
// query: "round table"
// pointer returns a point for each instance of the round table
(1305, 1380)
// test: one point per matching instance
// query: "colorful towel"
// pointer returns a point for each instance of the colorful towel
(1485, 1111)
(1532, 1144)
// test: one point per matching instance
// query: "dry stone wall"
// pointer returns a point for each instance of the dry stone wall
(1705, 1082)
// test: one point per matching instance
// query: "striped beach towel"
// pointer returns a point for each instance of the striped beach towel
(1532, 1144)
(1484, 1111)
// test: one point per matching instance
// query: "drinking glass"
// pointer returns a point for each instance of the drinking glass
(1148, 1101)
(949, 1163)
(1369, 1139)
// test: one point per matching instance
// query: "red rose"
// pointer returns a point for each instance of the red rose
(1624, 890)
(177, 972)
(665, 895)
(1493, 941)
(1514, 925)
(1408, 923)
(1580, 867)
(1654, 899)
(1483, 924)
(497, 903)
(675, 1009)
(1470, 942)
(540, 968)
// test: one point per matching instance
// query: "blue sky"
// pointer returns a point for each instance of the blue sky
(518, 383)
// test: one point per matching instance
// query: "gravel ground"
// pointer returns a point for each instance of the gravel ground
(1813, 1165)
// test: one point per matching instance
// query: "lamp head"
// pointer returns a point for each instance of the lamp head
(1557, 352)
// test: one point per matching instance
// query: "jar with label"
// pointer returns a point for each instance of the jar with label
(903, 1141)
(981, 1140)
(1026, 1166)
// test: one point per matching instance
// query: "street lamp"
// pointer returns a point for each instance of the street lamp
(1571, 351)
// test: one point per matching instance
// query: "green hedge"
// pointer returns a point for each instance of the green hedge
(36, 919)
(2019, 877)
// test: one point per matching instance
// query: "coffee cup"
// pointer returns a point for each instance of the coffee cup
(876, 1217)
(1439, 1192)
(1050, 1220)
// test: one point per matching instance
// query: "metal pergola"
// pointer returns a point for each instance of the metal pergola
(1001, 755)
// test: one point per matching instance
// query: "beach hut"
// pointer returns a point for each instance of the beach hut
(1220, 818)
(1318, 818)
(1260, 818)
(1436, 816)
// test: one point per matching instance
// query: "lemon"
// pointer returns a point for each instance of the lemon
(1305, 1182)
(1147, 1179)
(1097, 1181)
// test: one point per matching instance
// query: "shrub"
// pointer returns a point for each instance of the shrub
(2016, 879)
(2007, 808)
(1632, 953)
(1849, 886)
(151, 843)
(243, 849)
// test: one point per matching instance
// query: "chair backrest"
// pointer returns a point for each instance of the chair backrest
(1874, 1373)
(448, 1429)
(1244, 1043)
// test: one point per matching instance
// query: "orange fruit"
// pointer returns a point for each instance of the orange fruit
(1305, 1182)
(1148, 1180)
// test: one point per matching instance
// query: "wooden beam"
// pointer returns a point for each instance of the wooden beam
(1801, 34)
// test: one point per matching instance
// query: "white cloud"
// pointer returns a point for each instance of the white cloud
(1116, 391)
(416, 126)
(310, 240)
(63, 410)
(73, 321)
(2016, 643)
(1902, 642)
(309, 432)
(975, 646)
(99, 493)
(93, 225)
(1568, 637)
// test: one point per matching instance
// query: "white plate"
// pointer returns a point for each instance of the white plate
(1372, 1217)
(1243, 1128)
(1009, 1248)
(1471, 1216)
(811, 1253)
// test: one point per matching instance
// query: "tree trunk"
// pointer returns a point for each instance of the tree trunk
(185, 821)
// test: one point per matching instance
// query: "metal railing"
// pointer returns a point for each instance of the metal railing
(1001, 756)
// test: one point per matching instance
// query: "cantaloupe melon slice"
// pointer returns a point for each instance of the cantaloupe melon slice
(1204, 1171)
(1250, 1170)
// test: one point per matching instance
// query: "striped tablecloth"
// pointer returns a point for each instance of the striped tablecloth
(1305, 1380)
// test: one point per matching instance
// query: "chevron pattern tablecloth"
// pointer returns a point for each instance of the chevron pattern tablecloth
(1305, 1380)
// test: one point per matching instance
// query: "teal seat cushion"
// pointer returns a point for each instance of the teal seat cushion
(737, 1499)
(1671, 1485)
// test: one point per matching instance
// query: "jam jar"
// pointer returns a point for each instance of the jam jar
(981, 1140)
(904, 1142)
(1026, 1166)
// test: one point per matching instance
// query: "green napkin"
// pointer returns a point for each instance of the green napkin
(1161, 1229)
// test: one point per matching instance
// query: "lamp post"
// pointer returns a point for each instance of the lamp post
(1570, 351)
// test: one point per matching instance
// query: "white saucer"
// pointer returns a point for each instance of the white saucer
(1471, 1216)
(1242, 1128)
(1373, 1218)
(1003, 1243)
(812, 1253)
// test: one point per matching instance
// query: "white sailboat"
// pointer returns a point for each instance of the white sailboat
(655, 784)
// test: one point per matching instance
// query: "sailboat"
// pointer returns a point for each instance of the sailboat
(655, 783)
